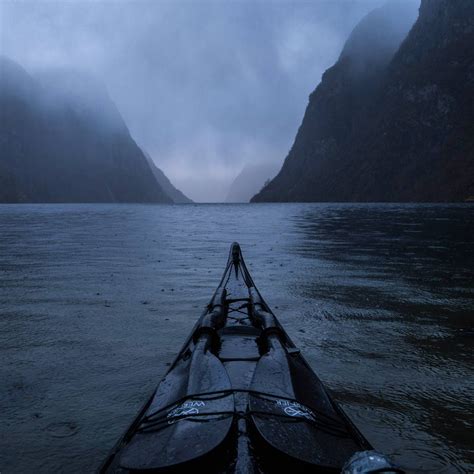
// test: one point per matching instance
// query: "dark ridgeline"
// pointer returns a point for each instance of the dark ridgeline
(392, 120)
(63, 140)
(175, 194)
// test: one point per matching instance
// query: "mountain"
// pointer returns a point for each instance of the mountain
(62, 139)
(175, 194)
(250, 180)
(393, 119)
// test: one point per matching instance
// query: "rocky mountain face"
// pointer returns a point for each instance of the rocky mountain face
(393, 119)
(175, 194)
(250, 180)
(63, 140)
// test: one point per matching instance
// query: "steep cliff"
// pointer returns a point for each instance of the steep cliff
(63, 140)
(393, 119)
(175, 194)
(250, 180)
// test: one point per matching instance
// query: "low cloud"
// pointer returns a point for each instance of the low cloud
(204, 86)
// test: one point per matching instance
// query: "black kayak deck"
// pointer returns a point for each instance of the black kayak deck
(239, 398)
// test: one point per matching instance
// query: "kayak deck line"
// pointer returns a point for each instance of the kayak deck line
(218, 394)
(238, 398)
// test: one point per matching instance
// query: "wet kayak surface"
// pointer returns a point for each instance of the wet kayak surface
(96, 300)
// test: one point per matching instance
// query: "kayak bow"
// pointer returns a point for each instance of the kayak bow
(239, 398)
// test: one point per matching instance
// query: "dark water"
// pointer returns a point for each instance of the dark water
(95, 300)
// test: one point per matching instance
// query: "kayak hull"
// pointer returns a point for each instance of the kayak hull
(239, 398)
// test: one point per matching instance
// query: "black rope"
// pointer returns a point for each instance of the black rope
(231, 310)
(164, 421)
(223, 393)
(235, 300)
(237, 319)
(229, 263)
(228, 277)
(169, 421)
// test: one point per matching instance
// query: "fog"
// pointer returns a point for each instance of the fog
(204, 87)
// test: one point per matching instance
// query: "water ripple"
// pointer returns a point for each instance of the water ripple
(95, 301)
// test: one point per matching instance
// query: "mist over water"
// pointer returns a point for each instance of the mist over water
(96, 300)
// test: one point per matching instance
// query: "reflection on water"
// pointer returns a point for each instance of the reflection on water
(96, 300)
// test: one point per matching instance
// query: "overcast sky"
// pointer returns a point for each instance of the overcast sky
(204, 86)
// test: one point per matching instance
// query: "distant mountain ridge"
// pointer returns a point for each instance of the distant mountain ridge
(175, 194)
(62, 139)
(250, 180)
(393, 119)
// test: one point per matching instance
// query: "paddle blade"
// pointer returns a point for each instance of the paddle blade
(298, 420)
(173, 434)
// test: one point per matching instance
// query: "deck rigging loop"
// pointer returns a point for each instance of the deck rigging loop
(210, 396)
(284, 408)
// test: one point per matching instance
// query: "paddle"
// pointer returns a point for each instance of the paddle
(191, 413)
(291, 409)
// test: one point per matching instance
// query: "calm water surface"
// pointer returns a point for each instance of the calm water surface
(95, 301)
